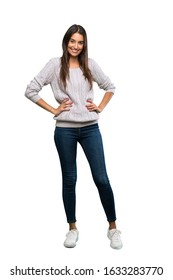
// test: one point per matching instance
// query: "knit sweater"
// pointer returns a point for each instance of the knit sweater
(78, 91)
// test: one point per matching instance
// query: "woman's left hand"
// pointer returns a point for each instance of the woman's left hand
(92, 107)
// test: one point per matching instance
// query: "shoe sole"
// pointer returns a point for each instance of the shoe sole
(71, 246)
(116, 248)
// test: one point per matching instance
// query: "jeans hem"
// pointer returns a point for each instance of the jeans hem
(111, 220)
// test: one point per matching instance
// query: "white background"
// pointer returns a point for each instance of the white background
(132, 42)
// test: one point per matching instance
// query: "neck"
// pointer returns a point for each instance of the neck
(73, 62)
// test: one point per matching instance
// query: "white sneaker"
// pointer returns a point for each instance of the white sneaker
(71, 238)
(114, 236)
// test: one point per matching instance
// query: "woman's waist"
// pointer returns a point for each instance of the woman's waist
(70, 124)
(77, 113)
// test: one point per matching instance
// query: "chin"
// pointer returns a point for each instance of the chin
(74, 54)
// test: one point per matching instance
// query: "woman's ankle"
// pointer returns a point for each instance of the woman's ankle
(112, 225)
(72, 226)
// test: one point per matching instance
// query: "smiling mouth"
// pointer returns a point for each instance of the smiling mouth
(75, 51)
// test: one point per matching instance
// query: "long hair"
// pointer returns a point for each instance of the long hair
(83, 56)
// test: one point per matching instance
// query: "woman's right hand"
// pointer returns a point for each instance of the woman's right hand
(65, 105)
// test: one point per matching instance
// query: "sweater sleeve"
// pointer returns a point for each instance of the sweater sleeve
(44, 78)
(100, 78)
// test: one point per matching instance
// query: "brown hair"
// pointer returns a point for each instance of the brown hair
(83, 56)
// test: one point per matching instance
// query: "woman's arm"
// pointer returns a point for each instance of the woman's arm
(43, 78)
(64, 106)
(104, 83)
(93, 107)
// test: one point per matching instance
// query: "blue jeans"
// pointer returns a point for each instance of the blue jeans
(89, 137)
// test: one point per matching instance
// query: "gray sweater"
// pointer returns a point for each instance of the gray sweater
(78, 91)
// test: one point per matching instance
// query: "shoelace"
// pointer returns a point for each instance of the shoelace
(116, 234)
(71, 233)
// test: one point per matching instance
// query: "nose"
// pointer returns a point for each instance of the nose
(75, 45)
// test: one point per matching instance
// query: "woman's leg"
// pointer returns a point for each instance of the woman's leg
(112, 225)
(72, 226)
(91, 142)
(66, 144)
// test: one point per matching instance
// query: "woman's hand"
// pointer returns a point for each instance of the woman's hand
(65, 105)
(92, 107)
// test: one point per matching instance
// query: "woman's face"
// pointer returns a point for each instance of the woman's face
(75, 44)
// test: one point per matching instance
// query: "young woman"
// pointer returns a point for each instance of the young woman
(71, 78)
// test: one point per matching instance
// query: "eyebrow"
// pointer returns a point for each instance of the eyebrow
(75, 40)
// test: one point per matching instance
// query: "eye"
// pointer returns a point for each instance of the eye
(81, 43)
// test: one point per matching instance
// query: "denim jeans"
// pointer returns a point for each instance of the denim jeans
(89, 137)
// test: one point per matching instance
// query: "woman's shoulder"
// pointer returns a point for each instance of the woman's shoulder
(56, 61)
(53, 64)
(93, 65)
(91, 62)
